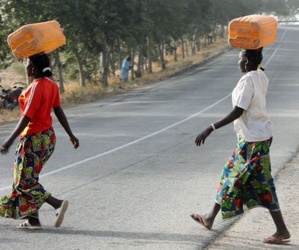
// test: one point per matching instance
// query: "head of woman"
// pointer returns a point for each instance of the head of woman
(38, 66)
(250, 59)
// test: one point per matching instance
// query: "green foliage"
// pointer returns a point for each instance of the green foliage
(293, 6)
(19, 68)
(5, 55)
(116, 27)
(277, 7)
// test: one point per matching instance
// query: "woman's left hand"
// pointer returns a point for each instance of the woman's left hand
(3, 150)
(200, 139)
(74, 141)
(5, 146)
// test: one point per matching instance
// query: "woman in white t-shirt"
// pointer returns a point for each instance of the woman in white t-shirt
(246, 177)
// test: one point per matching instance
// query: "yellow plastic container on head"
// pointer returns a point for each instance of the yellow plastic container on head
(252, 32)
(36, 38)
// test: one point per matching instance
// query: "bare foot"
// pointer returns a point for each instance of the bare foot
(202, 220)
(278, 238)
(282, 235)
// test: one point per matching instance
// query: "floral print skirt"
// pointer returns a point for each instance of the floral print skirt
(246, 179)
(28, 195)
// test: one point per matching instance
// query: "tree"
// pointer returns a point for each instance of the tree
(19, 13)
(112, 29)
(6, 57)
(293, 6)
(276, 7)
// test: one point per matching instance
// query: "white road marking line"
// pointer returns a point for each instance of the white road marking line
(142, 138)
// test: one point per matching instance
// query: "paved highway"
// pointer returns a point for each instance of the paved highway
(138, 174)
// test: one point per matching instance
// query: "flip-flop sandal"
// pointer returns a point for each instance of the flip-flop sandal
(60, 213)
(274, 240)
(26, 225)
(199, 220)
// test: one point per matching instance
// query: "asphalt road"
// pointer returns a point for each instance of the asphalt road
(138, 174)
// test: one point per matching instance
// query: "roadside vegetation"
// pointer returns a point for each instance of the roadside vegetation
(162, 37)
(74, 94)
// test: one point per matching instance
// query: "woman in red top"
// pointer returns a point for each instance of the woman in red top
(36, 145)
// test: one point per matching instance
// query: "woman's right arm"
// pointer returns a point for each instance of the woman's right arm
(233, 115)
(23, 122)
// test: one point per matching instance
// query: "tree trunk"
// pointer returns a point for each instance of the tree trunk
(221, 31)
(183, 48)
(113, 62)
(174, 50)
(104, 80)
(198, 43)
(205, 41)
(120, 58)
(161, 53)
(149, 56)
(186, 47)
(132, 64)
(140, 62)
(81, 71)
(193, 46)
(59, 69)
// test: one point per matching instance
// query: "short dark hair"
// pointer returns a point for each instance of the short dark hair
(254, 55)
(42, 62)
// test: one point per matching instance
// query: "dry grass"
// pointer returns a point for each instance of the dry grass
(74, 94)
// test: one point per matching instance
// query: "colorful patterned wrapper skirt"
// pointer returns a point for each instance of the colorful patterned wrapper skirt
(28, 195)
(246, 179)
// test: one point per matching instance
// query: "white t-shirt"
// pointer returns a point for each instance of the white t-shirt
(250, 94)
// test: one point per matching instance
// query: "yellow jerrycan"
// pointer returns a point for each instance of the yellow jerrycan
(252, 31)
(36, 38)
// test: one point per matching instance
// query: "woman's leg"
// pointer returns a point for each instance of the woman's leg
(213, 213)
(207, 220)
(61, 207)
(28, 194)
(281, 230)
(33, 219)
(56, 203)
